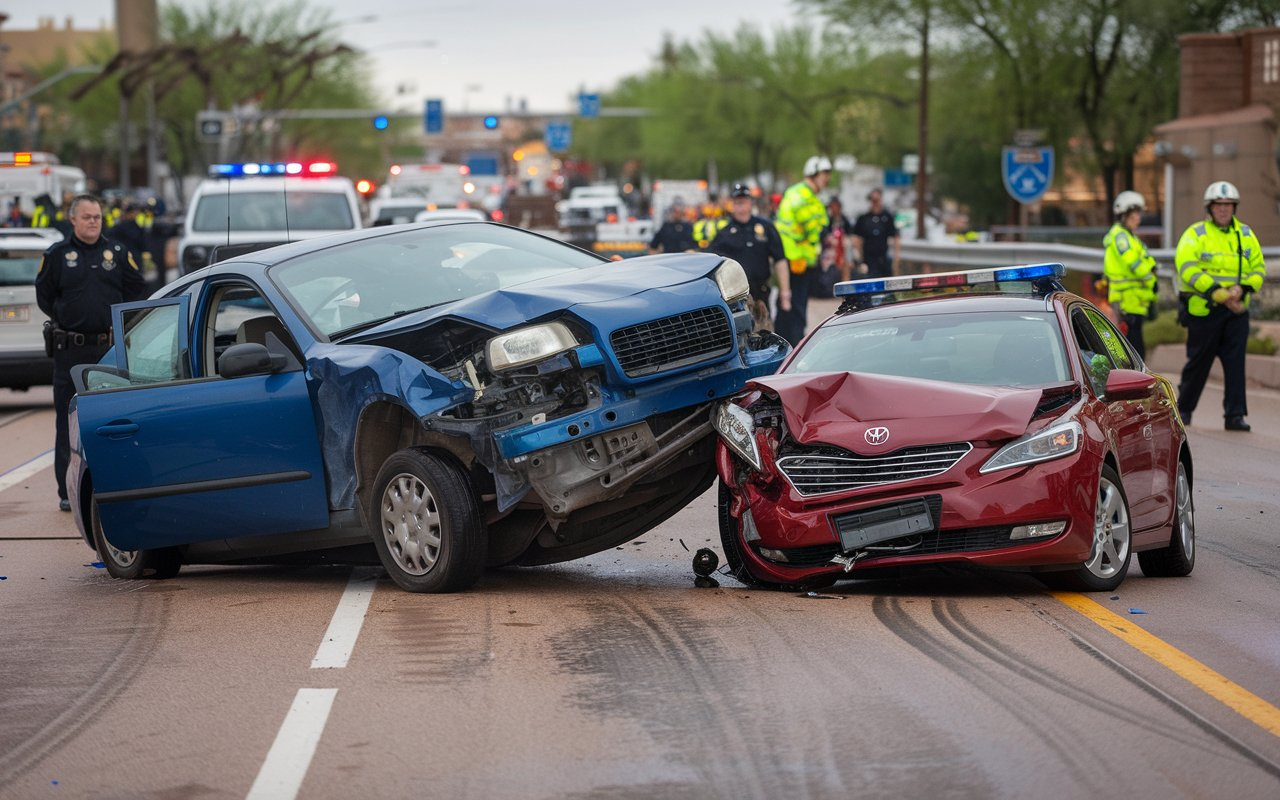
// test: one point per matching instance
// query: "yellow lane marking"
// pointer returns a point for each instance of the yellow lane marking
(1232, 695)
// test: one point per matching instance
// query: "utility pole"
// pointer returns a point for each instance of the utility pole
(136, 31)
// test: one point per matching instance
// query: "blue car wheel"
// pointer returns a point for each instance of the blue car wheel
(133, 564)
(426, 524)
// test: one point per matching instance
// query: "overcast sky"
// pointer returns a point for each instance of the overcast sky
(486, 54)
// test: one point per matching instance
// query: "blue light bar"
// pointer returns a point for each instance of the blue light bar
(257, 168)
(940, 280)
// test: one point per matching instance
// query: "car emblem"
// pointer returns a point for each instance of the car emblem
(876, 436)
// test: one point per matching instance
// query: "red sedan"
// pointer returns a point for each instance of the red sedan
(1002, 422)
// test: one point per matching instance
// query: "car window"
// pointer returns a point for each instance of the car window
(378, 278)
(1102, 348)
(1001, 349)
(273, 211)
(151, 344)
(19, 269)
(238, 313)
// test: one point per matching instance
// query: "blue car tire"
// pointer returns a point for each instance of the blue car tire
(425, 523)
(133, 564)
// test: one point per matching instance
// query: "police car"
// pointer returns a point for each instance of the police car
(987, 418)
(23, 362)
(251, 206)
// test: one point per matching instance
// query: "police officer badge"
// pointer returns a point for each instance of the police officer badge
(108, 260)
(71, 259)
(760, 237)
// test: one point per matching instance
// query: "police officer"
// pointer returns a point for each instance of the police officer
(801, 219)
(754, 243)
(676, 234)
(78, 281)
(872, 232)
(1219, 262)
(131, 232)
(1130, 269)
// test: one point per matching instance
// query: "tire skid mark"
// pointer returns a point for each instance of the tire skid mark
(898, 620)
(954, 620)
(1248, 753)
(652, 670)
(150, 616)
(437, 648)
(1243, 559)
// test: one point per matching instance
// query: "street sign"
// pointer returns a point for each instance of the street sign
(213, 125)
(433, 116)
(1027, 172)
(911, 163)
(897, 177)
(589, 105)
(482, 163)
(559, 136)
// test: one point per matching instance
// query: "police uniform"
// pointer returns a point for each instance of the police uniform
(674, 237)
(75, 287)
(875, 230)
(757, 246)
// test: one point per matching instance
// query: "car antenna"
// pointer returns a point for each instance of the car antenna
(228, 180)
(285, 193)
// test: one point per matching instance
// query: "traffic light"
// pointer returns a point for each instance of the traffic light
(381, 122)
(491, 121)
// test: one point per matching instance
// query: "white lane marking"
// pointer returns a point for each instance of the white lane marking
(340, 639)
(21, 472)
(290, 755)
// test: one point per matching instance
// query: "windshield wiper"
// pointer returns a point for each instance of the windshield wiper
(373, 323)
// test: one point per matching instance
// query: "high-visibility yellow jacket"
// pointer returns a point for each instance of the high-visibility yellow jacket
(704, 230)
(800, 221)
(1130, 271)
(40, 217)
(1209, 258)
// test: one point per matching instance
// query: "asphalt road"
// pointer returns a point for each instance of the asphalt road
(614, 677)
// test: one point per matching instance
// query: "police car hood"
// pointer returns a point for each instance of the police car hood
(848, 408)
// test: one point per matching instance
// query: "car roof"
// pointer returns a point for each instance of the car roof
(295, 184)
(29, 238)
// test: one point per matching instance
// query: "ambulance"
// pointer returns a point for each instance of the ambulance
(27, 175)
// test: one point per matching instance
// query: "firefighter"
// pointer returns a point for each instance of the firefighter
(1219, 261)
(802, 216)
(1130, 269)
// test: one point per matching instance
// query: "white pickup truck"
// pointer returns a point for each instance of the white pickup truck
(588, 206)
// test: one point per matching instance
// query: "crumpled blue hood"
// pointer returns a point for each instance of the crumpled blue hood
(507, 308)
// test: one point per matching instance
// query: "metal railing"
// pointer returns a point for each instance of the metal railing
(961, 255)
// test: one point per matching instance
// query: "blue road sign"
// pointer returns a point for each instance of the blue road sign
(559, 136)
(589, 105)
(433, 117)
(1027, 172)
(896, 177)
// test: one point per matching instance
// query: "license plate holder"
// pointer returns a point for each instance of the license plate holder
(861, 529)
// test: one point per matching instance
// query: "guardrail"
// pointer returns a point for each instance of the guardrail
(1073, 257)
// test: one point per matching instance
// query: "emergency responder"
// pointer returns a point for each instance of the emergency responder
(78, 281)
(676, 234)
(871, 234)
(1219, 261)
(130, 232)
(802, 216)
(42, 215)
(754, 243)
(1130, 269)
(712, 221)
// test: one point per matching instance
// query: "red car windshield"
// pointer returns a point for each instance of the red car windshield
(988, 349)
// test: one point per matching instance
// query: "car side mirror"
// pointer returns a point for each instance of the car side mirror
(249, 358)
(1129, 384)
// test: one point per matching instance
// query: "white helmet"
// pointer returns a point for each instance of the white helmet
(1221, 191)
(816, 164)
(1127, 201)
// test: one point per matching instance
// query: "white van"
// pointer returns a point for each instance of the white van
(242, 211)
(26, 176)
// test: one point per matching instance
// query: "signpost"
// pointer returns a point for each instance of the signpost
(558, 136)
(1027, 172)
(433, 116)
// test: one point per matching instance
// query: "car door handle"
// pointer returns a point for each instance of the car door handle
(117, 429)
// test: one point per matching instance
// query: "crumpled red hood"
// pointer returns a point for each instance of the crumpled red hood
(839, 407)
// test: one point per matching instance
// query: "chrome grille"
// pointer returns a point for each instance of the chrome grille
(825, 473)
(672, 342)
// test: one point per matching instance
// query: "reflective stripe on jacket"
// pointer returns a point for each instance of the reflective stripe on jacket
(1130, 271)
(800, 221)
(1209, 258)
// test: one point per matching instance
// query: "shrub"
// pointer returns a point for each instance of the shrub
(1164, 329)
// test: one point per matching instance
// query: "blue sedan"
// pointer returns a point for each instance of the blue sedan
(465, 394)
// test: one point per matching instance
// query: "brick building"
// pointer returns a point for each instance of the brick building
(1228, 105)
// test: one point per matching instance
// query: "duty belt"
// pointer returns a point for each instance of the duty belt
(64, 339)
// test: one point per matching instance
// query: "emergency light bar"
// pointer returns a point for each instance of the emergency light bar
(257, 169)
(939, 280)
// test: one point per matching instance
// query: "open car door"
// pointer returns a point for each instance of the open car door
(174, 459)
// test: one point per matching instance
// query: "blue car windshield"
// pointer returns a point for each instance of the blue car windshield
(990, 349)
(377, 278)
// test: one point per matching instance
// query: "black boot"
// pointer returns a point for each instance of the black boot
(1236, 424)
